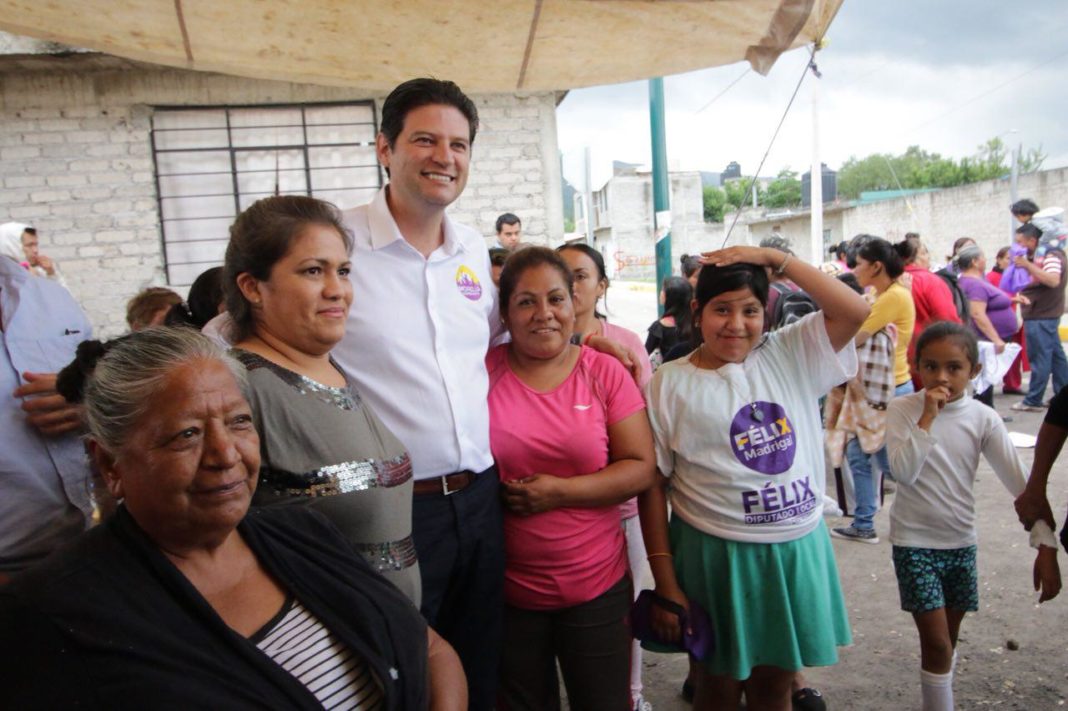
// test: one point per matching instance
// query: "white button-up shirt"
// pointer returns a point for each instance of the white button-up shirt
(417, 337)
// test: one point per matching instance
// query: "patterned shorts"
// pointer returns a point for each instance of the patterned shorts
(928, 579)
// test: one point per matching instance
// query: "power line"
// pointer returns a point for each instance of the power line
(810, 65)
(984, 94)
(729, 87)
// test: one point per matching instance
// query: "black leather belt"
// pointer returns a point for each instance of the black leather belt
(444, 485)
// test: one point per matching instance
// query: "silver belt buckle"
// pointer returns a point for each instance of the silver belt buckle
(445, 490)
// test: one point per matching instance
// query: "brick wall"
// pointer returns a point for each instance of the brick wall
(76, 163)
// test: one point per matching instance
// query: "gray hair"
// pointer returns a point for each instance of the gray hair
(967, 256)
(128, 376)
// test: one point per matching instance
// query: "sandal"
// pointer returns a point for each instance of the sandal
(808, 700)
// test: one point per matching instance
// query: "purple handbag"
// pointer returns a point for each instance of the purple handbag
(698, 635)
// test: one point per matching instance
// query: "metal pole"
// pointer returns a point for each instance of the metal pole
(588, 198)
(661, 189)
(816, 180)
(1014, 175)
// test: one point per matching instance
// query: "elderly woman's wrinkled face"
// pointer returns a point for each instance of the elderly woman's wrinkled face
(189, 468)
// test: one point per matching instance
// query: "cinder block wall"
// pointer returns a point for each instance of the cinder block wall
(76, 162)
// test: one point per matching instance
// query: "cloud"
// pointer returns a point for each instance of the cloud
(944, 76)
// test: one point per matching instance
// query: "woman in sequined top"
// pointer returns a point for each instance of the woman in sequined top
(288, 295)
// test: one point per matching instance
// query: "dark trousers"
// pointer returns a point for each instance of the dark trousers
(460, 543)
(591, 642)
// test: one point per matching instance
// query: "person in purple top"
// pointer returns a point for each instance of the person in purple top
(993, 311)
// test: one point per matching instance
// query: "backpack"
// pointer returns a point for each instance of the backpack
(791, 306)
(960, 299)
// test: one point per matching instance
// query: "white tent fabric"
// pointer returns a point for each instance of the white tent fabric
(483, 45)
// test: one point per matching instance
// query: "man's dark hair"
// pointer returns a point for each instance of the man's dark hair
(415, 93)
(1024, 207)
(1029, 230)
(507, 219)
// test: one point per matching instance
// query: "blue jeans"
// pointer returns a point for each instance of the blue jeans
(864, 489)
(1047, 356)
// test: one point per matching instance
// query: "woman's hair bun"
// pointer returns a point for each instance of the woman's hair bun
(70, 383)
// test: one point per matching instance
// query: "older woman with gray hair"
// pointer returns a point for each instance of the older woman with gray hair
(993, 311)
(287, 290)
(180, 599)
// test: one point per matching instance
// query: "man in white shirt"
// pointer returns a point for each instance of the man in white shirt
(423, 316)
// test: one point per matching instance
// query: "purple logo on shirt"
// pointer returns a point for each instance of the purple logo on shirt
(468, 283)
(762, 438)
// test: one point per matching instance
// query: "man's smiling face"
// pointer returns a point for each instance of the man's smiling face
(428, 162)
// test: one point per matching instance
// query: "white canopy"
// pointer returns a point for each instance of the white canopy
(483, 45)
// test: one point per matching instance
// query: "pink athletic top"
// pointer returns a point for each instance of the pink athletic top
(630, 340)
(566, 556)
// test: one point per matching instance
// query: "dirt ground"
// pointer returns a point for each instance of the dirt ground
(1013, 652)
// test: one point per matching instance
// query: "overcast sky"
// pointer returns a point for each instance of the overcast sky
(945, 75)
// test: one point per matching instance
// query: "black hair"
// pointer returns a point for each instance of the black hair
(598, 261)
(777, 241)
(689, 265)
(850, 280)
(1024, 207)
(677, 297)
(853, 246)
(205, 296)
(909, 247)
(498, 256)
(522, 261)
(260, 237)
(716, 280)
(879, 250)
(1029, 229)
(1003, 252)
(416, 93)
(947, 329)
(507, 219)
(71, 380)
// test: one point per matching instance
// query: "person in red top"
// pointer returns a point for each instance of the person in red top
(933, 299)
(1000, 262)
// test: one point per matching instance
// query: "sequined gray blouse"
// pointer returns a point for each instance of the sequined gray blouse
(323, 447)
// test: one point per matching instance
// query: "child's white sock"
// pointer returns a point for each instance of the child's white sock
(937, 690)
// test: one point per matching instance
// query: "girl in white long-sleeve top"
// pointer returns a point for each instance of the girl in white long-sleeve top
(934, 439)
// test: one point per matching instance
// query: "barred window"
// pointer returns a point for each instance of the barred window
(212, 163)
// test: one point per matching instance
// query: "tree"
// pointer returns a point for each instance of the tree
(714, 200)
(917, 168)
(737, 192)
(784, 191)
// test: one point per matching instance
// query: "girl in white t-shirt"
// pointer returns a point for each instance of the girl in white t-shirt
(934, 439)
(739, 439)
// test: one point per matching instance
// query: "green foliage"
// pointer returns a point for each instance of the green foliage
(569, 225)
(917, 168)
(736, 190)
(784, 191)
(714, 200)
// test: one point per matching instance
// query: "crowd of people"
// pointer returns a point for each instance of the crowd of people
(368, 463)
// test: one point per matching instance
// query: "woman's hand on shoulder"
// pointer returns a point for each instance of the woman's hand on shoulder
(760, 256)
(534, 494)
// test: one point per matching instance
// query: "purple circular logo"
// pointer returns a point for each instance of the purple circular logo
(762, 438)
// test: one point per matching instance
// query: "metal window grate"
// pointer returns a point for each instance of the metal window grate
(213, 162)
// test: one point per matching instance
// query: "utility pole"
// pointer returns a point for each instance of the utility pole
(661, 189)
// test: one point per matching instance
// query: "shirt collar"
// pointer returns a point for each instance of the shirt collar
(384, 230)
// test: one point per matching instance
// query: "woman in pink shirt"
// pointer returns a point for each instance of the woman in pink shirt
(571, 440)
(591, 285)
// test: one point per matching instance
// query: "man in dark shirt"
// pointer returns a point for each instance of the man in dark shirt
(1042, 317)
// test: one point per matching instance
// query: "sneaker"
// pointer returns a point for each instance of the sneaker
(1024, 407)
(852, 533)
(642, 705)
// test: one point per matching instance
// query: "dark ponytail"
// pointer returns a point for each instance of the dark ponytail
(71, 381)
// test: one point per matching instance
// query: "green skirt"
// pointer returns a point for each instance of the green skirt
(774, 604)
